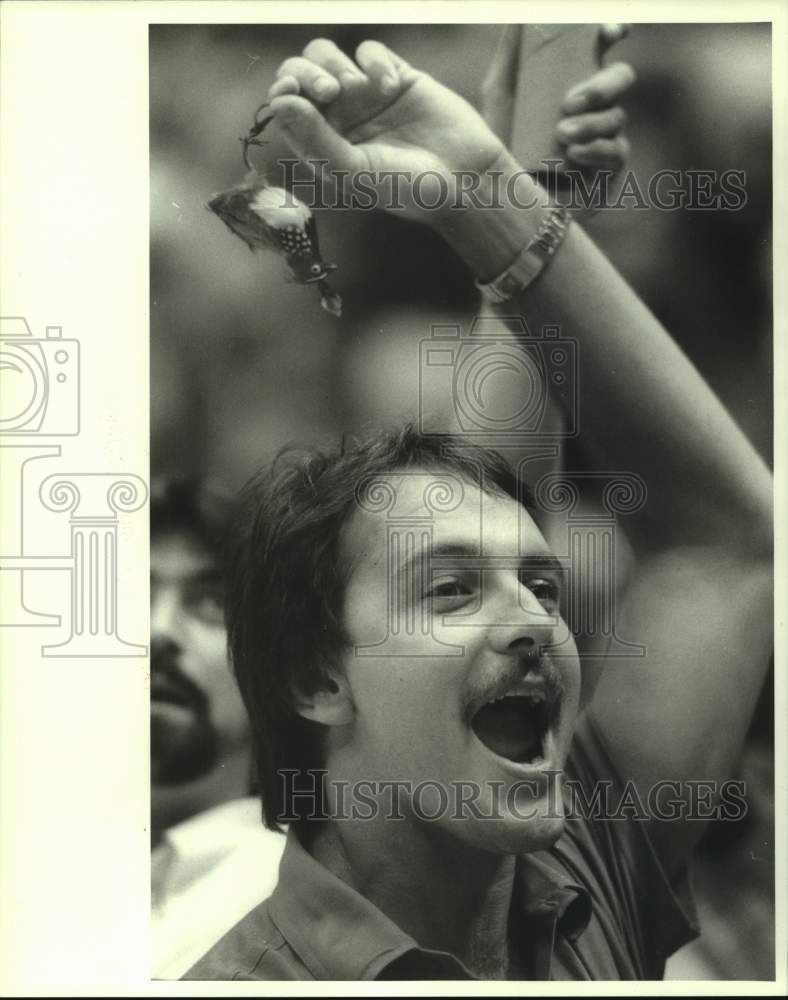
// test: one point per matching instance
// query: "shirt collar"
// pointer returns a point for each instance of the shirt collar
(546, 889)
(222, 824)
(357, 941)
(191, 848)
(354, 943)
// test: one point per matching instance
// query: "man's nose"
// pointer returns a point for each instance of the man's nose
(165, 617)
(162, 648)
(524, 626)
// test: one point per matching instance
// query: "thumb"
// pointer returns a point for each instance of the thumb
(311, 137)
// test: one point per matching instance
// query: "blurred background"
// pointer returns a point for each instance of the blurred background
(243, 362)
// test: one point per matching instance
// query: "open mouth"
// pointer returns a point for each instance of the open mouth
(515, 726)
(170, 694)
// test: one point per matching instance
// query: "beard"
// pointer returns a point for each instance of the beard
(184, 741)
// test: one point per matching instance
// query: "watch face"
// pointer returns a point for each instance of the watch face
(552, 231)
(509, 285)
(532, 259)
(493, 293)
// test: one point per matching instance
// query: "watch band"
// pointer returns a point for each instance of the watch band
(532, 260)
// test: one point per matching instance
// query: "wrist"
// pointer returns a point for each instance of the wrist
(489, 221)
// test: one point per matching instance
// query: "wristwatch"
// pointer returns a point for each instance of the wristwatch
(532, 260)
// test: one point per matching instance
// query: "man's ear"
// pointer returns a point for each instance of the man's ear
(326, 700)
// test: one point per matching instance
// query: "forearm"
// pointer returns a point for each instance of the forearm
(643, 407)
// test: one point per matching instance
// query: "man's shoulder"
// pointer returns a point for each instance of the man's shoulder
(253, 949)
(607, 846)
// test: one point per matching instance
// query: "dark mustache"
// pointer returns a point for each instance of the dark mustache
(543, 666)
(554, 687)
(165, 672)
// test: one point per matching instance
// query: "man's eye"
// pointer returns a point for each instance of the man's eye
(448, 591)
(207, 604)
(210, 609)
(447, 588)
(547, 592)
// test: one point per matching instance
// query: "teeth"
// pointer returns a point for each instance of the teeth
(535, 697)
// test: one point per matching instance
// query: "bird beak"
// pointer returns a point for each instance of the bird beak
(327, 269)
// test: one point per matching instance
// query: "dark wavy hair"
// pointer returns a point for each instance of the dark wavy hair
(197, 507)
(286, 580)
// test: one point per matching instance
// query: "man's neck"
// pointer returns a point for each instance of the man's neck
(173, 804)
(446, 895)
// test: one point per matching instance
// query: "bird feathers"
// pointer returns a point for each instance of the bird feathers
(271, 218)
(277, 207)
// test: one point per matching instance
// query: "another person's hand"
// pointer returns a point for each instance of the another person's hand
(590, 130)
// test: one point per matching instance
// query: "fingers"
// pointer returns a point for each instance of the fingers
(311, 137)
(323, 52)
(313, 80)
(382, 66)
(609, 34)
(323, 71)
(594, 125)
(320, 75)
(600, 90)
(286, 84)
(591, 130)
(610, 154)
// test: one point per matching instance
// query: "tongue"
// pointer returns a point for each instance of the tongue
(507, 728)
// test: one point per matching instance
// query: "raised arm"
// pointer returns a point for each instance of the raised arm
(700, 598)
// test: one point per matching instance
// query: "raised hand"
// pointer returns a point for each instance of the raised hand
(378, 114)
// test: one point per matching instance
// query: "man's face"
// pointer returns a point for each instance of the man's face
(197, 716)
(453, 606)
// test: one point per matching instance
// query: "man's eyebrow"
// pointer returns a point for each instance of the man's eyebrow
(211, 574)
(459, 555)
(547, 562)
(442, 553)
(207, 575)
(544, 562)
